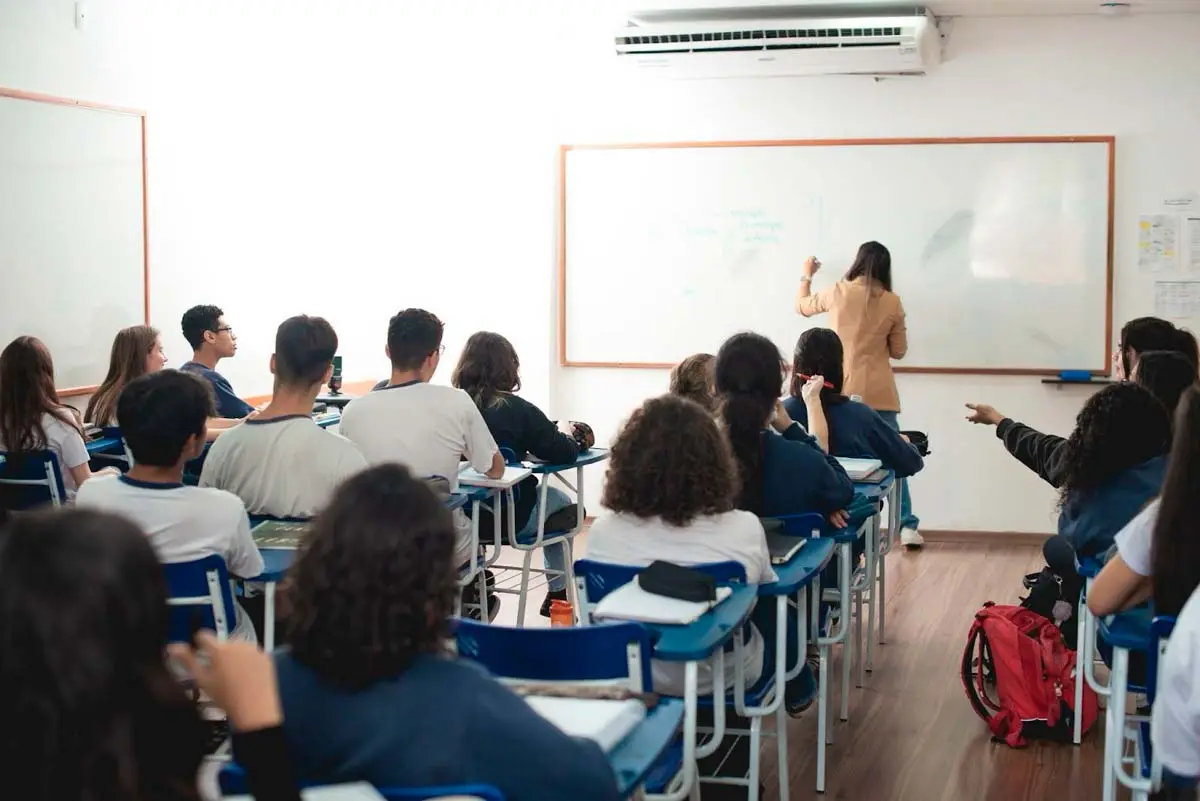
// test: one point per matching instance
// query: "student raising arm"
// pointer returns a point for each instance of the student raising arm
(783, 471)
(369, 692)
(1161, 540)
(31, 416)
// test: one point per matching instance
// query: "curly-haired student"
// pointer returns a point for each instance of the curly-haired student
(369, 693)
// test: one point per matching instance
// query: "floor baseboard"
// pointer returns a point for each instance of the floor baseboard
(986, 537)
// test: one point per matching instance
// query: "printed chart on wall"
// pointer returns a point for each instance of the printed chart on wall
(1001, 249)
(1169, 248)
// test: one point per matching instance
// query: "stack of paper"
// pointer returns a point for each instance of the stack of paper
(631, 602)
(604, 722)
(858, 469)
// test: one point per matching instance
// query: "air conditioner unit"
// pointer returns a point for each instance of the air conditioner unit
(733, 48)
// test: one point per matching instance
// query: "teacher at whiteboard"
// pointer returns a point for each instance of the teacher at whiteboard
(869, 319)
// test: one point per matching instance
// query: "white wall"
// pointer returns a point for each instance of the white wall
(327, 142)
(1134, 78)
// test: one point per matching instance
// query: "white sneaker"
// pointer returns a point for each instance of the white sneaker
(911, 538)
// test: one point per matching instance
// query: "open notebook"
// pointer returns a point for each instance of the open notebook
(631, 602)
(858, 469)
(279, 534)
(512, 476)
(604, 722)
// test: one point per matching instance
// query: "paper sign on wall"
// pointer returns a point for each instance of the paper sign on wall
(1177, 300)
(1158, 242)
(1191, 237)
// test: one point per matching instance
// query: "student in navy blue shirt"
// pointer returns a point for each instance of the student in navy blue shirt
(854, 429)
(212, 339)
(368, 690)
(783, 471)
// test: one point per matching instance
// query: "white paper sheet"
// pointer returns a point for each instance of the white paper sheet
(1177, 300)
(1158, 242)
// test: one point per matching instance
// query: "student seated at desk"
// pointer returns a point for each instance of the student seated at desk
(694, 378)
(1043, 453)
(426, 427)
(1112, 465)
(33, 419)
(784, 471)
(162, 418)
(1158, 552)
(672, 488)
(212, 339)
(280, 462)
(854, 429)
(136, 351)
(99, 713)
(489, 371)
(370, 693)
(1175, 721)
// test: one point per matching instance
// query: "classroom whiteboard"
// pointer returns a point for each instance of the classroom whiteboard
(72, 230)
(1001, 249)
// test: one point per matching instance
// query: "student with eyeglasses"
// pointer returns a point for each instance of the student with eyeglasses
(212, 339)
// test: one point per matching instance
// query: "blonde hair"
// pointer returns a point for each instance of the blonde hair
(694, 378)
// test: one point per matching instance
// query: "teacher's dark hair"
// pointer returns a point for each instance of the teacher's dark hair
(749, 383)
(1175, 548)
(873, 262)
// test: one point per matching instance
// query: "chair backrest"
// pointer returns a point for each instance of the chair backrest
(200, 593)
(1160, 631)
(510, 456)
(617, 652)
(31, 479)
(594, 580)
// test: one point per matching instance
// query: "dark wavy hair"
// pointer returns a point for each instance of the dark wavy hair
(93, 710)
(749, 382)
(1120, 427)
(488, 369)
(873, 262)
(374, 584)
(1143, 334)
(26, 393)
(1166, 374)
(693, 378)
(671, 461)
(1175, 549)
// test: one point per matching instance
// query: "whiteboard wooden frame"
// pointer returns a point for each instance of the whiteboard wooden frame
(1105, 369)
(37, 97)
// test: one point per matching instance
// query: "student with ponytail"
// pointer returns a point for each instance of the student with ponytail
(783, 471)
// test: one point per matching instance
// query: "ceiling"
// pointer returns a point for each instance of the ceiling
(969, 8)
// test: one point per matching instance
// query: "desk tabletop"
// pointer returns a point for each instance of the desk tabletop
(805, 566)
(105, 444)
(590, 456)
(469, 477)
(699, 640)
(874, 489)
(635, 756)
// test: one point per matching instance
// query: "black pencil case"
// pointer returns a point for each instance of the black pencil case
(683, 583)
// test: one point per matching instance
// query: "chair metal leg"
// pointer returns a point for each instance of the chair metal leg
(1077, 730)
(755, 758)
(824, 730)
(781, 749)
(869, 588)
(847, 640)
(1114, 729)
(882, 594)
(523, 596)
(268, 617)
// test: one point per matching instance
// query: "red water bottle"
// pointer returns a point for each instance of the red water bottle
(562, 613)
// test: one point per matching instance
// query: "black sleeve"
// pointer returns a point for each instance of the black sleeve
(831, 488)
(264, 755)
(1041, 453)
(545, 441)
(891, 449)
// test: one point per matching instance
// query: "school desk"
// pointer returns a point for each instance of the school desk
(277, 562)
(499, 490)
(878, 545)
(530, 544)
(106, 445)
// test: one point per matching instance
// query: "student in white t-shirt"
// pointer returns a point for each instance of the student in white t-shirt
(672, 489)
(1175, 722)
(31, 416)
(1158, 553)
(162, 418)
(280, 462)
(425, 427)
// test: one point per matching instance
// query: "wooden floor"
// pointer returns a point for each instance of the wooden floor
(912, 735)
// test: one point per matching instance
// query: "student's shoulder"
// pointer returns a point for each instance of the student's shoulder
(216, 502)
(98, 488)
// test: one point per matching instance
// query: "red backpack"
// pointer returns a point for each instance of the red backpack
(1020, 676)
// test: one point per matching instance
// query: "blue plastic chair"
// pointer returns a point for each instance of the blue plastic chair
(31, 479)
(1088, 568)
(199, 592)
(232, 781)
(595, 580)
(1149, 772)
(617, 653)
